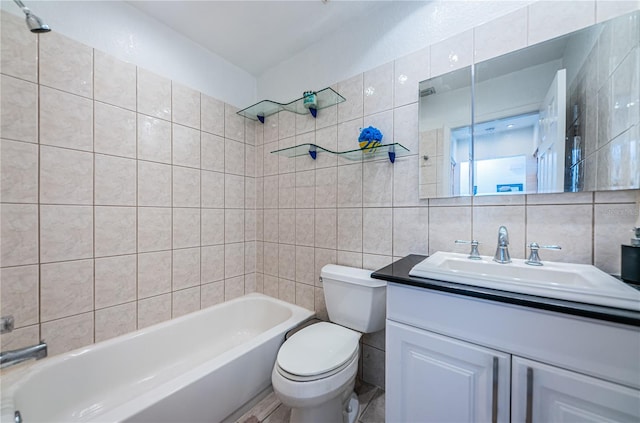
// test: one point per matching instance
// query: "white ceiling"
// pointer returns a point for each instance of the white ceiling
(257, 35)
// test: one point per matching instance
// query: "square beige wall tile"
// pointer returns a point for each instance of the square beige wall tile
(185, 301)
(154, 139)
(186, 187)
(18, 49)
(212, 263)
(114, 81)
(350, 229)
(233, 260)
(233, 225)
(69, 333)
(502, 35)
(213, 226)
(211, 294)
(115, 321)
(287, 261)
(115, 130)
(234, 157)
(66, 289)
(154, 95)
(154, 310)
(410, 231)
(213, 184)
(66, 233)
(20, 294)
(186, 227)
(18, 109)
(154, 229)
(212, 115)
(186, 268)
(185, 105)
(549, 19)
(19, 234)
(446, 224)
(21, 337)
(304, 227)
(186, 146)
(66, 120)
(233, 288)
(610, 231)
(154, 274)
(66, 64)
(115, 231)
(154, 184)
(115, 181)
(409, 71)
(286, 226)
(233, 123)
(115, 280)
(352, 90)
(378, 89)
(18, 172)
(213, 152)
(568, 226)
(234, 191)
(66, 176)
(377, 231)
(453, 53)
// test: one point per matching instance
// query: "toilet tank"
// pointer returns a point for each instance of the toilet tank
(353, 298)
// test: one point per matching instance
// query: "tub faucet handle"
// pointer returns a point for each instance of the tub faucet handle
(474, 254)
(534, 258)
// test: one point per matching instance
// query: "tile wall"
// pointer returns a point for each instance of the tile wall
(604, 111)
(368, 213)
(127, 198)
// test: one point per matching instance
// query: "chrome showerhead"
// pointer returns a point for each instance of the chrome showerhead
(34, 23)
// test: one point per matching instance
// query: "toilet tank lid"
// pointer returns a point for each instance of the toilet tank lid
(351, 274)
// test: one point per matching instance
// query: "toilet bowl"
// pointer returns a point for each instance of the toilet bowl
(315, 370)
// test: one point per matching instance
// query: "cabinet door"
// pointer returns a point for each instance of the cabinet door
(547, 394)
(433, 378)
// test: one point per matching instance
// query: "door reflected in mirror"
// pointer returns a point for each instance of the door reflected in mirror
(559, 116)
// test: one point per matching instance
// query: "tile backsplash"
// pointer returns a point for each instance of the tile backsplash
(125, 195)
(129, 199)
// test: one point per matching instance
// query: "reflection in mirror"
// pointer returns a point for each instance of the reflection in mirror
(559, 116)
(445, 134)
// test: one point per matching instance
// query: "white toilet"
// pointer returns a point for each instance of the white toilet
(316, 368)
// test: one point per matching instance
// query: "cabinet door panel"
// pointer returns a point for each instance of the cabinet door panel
(433, 378)
(558, 395)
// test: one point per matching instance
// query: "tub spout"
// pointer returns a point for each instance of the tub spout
(9, 358)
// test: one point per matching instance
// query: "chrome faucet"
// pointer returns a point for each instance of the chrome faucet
(502, 252)
(10, 358)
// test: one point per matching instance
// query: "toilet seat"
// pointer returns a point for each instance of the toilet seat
(317, 351)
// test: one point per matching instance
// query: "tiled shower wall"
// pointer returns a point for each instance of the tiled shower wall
(368, 213)
(127, 198)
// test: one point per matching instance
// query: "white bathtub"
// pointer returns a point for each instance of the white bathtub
(197, 368)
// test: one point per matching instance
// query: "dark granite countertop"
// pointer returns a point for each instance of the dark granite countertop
(398, 272)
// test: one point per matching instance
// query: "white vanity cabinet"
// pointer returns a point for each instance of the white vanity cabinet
(454, 358)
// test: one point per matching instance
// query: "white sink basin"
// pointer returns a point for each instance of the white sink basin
(576, 282)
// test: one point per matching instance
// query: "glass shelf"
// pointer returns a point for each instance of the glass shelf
(391, 151)
(259, 111)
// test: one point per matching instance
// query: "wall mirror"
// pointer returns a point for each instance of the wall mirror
(559, 116)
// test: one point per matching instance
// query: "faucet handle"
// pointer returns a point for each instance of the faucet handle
(474, 254)
(534, 258)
